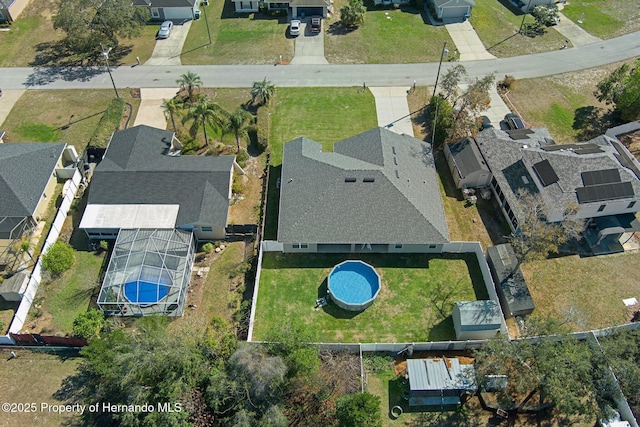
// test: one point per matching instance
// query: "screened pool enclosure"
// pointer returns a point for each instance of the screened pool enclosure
(148, 273)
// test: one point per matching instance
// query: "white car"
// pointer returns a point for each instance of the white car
(294, 28)
(165, 30)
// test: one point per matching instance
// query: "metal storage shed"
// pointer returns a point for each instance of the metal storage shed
(476, 320)
(439, 383)
(512, 289)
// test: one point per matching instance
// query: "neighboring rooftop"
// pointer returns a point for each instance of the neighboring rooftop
(516, 297)
(376, 187)
(467, 157)
(439, 382)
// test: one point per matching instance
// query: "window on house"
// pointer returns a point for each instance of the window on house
(303, 246)
(155, 13)
(296, 246)
(632, 204)
(601, 208)
(432, 246)
(398, 246)
(207, 229)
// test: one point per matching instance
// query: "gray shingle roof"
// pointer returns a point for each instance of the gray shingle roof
(135, 170)
(401, 203)
(510, 160)
(164, 3)
(503, 261)
(467, 157)
(25, 169)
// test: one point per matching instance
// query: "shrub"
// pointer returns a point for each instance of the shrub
(207, 247)
(241, 157)
(104, 245)
(238, 185)
(507, 83)
(263, 124)
(352, 15)
(88, 324)
(358, 410)
(108, 124)
(59, 258)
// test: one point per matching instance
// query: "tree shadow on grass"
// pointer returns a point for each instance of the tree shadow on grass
(339, 29)
(591, 121)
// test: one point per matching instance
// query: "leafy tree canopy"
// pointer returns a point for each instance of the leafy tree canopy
(358, 410)
(622, 90)
(88, 324)
(59, 258)
(352, 15)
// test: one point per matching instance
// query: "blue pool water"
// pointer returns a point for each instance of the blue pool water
(141, 292)
(354, 282)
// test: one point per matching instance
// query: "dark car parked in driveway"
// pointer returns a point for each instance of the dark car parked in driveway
(514, 121)
(316, 24)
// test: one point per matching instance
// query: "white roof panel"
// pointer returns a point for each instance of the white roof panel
(129, 216)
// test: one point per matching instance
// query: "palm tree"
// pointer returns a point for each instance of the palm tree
(189, 81)
(172, 106)
(262, 91)
(204, 112)
(238, 125)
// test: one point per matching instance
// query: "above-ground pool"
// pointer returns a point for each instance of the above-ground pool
(353, 285)
(145, 293)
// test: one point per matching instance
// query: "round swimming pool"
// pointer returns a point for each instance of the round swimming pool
(145, 293)
(353, 285)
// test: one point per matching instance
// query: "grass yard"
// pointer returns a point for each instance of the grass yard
(237, 38)
(59, 115)
(497, 26)
(586, 292)
(605, 19)
(326, 115)
(404, 310)
(35, 377)
(388, 36)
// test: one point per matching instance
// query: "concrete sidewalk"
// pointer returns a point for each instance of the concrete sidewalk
(470, 47)
(7, 101)
(392, 109)
(167, 51)
(574, 33)
(150, 112)
(309, 48)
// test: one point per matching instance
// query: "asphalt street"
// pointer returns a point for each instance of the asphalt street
(537, 65)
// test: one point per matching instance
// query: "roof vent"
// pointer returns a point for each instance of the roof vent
(393, 149)
(397, 174)
(368, 179)
(525, 180)
(349, 180)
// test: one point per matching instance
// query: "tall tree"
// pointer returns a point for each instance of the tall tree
(622, 90)
(262, 91)
(190, 81)
(87, 23)
(172, 106)
(204, 112)
(352, 15)
(238, 125)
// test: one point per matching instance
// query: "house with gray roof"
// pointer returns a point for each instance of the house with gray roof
(600, 178)
(450, 11)
(376, 192)
(178, 10)
(27, 184)
(144, 182)
(476, 320)
(295, 8)
(466, 164)
(11, 9)
(511, 287)
(440, 383)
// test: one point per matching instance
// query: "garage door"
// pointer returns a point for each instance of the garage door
(454, 12)
(178, 13)
(310, 11)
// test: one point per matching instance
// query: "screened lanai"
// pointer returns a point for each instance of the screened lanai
(148, 273)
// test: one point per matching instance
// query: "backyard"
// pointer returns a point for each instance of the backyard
(586, 293)
(236, 38)
(504, 40)
(605, 19)
(389, 35)
(414, 290)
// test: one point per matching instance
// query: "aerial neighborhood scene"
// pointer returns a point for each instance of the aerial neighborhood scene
(320, 213)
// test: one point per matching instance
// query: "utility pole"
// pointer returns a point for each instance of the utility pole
(105, 55)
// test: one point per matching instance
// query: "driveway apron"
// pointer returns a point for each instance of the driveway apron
(150, 112)
(392, 108)
(574, 33)
(309, 47)
(469, 45)
(167, 51)
(7, 101)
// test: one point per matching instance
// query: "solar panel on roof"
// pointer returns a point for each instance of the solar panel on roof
(597, 193)
(588, 148)
(545, 172)
(603, 176)
(519, 133)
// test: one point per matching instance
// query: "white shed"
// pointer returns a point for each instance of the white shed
(476, 320)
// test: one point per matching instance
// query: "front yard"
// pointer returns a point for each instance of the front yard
(404, 311)
(586, 293)
(605, 19)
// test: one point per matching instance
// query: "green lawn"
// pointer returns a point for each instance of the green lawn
(237, 38)
(388, 36)
(605, 19)
(586, 292)
(403, 311)
(497, 26)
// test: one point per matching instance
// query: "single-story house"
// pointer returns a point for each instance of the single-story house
(163, 10)
(376, 192)
(527, 5)
(466, 164)
(11, 9)
(511, 287)
(28, 177)
(451, 10)
(476, 320)
(600, 178)
(297, 8)
(144, 182)
(442, 383)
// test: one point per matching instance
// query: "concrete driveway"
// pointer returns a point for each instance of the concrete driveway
(466, 39)
(7, 101)
(392, 108)
(167, 51)
(309, 47)
(150, 112)
(574, 33)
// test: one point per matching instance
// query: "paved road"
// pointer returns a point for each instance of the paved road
(529, 66)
